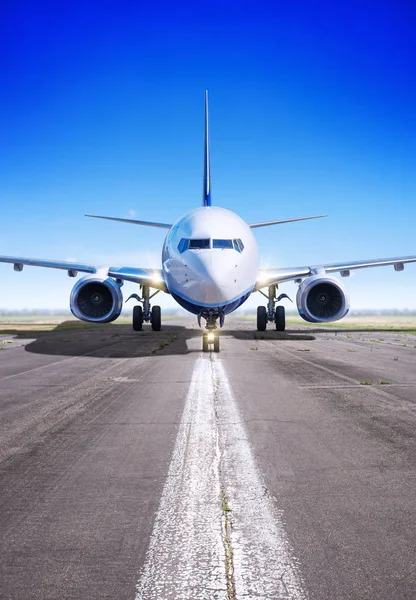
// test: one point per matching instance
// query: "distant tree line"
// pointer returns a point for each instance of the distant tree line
(42, 312)
(38, 312)
(48, 312)
(388, 312)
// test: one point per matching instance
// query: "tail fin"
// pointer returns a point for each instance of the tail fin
(206, 193)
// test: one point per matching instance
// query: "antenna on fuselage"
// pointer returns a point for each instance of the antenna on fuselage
(206, 192)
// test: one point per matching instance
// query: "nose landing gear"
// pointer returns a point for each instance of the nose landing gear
(210, 338)
(274, 314)
(210, 341)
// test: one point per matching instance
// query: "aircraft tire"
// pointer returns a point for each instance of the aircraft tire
(261, 318)
(137, 318)
(156, 318)
(280, 318)
(216, 344)
(205, 343)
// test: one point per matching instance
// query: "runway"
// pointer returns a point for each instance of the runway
(132, 466)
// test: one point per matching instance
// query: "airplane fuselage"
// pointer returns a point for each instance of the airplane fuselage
(210, 261)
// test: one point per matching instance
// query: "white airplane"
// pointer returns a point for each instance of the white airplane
(210, 265)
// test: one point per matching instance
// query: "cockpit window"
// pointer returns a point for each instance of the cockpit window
(238, 245)
(199, 244)
(187, 244)
(183, 245)
(222, 244)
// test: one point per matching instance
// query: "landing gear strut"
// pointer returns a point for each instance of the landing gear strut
(210, 338)
(146, 313)
(273, 314)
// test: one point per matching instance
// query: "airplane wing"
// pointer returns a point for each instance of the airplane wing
(281, 221)
(275, 276)
(133, 221)
(151, 277)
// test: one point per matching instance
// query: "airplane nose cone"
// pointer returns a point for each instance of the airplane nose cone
(220, 271)
(217, 274)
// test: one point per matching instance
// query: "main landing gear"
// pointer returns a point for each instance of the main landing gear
(210, 338)
(146, 313)
(271, 314)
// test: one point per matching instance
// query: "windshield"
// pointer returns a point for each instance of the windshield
(198, 244)
(222, 244)
(205, 244)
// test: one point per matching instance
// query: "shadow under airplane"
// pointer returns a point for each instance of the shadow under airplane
(120, 341)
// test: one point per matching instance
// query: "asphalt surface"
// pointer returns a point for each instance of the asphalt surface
(126, 456)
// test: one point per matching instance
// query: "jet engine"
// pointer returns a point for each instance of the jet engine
(322, 299)
(96, 299)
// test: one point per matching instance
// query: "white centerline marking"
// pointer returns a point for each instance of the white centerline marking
(264, 565)
(186, 559)
(216, 535)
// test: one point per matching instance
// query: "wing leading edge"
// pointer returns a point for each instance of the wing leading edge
(133, 221)
(151, 277)
(276, 276)
(267, 223)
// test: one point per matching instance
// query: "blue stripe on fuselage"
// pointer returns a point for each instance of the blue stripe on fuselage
(201, 308)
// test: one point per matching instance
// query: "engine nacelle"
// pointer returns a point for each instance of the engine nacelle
(96, 299)
(321, 299)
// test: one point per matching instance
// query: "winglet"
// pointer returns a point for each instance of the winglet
(206, 193)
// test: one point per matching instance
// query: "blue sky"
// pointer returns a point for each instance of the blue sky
(311, 111)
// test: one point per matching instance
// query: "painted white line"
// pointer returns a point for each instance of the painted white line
(186, 558)
(264, 565)
(191, 555)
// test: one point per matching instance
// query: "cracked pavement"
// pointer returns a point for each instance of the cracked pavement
(89, 420)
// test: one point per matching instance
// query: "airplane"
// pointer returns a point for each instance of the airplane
(210, 266)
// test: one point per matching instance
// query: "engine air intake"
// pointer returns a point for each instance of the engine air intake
(321, 299)
(324, 300)
(96, 300)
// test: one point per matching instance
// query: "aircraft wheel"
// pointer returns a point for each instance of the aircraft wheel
(156, 318)
(261, 318)
(137, 318)
(280, 318)
(216, 344)
(205, 343)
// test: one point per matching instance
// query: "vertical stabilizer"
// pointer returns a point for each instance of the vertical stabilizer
(206, 193)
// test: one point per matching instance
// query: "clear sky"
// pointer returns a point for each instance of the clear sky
(312, 110)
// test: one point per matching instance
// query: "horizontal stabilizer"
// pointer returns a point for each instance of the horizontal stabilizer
(133, 221)
(266, 223)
